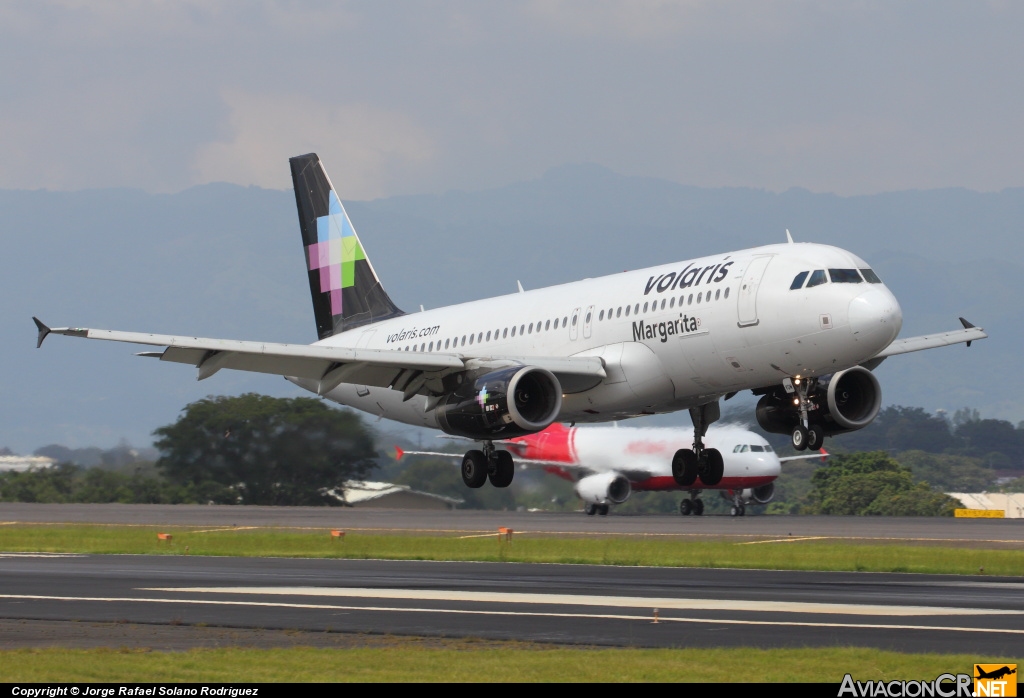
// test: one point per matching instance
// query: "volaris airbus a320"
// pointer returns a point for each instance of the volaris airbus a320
(800, 324)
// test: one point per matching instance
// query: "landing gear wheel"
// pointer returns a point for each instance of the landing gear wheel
(799, 438)
(698, 507)
(474, 469)
(685, 507)
(743, 510)
(590, 509)
(684, 467)
(602, 509)
(815, 438)
(735, 511)
(504, 469)
(714, 467)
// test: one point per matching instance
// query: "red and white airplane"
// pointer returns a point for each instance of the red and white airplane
(606, 464)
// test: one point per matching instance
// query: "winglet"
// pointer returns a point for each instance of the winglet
(399, 453)
(519, 285)
(963, 322)
(789, 237)
(43, 331)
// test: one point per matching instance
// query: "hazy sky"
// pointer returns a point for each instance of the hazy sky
(418, 97)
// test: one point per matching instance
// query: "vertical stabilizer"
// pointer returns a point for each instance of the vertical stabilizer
(345, 288)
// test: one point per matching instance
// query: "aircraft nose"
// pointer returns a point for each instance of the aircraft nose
(875, 318)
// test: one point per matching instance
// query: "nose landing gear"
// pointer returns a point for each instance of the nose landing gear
(694, 505)
(805, 434)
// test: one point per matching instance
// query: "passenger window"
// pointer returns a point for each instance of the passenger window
(645, 307)
(870, 276)
(845, 276)
(446, 343)
(672, 303)
(565, 320)
(600, 316)
(547, 325)
(662, 303)
(431, 347)
(588, 316)
(689, 301)
(627, 311)
(636, 309)
(470, 339)
(521, 328)
(513, 330)
(798, 281)
(423, 347)
(699, 297)
(463, 340)
(488, 335)
(530, 328)
(480, 337)
(726, 295)
(574, 319)
(817, 278)
(718, 292)
(618, 313)
(504, 333)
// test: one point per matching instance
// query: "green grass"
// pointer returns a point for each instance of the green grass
(610, 550)
(462, 662)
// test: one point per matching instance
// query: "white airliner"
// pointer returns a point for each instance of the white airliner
(800, 324)
(607, 464)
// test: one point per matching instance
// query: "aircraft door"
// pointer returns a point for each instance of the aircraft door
(574, 324)
(588, 321)
(746, 299)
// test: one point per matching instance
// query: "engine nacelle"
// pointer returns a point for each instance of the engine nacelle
(509, 402)
(845, 401)
(604, 488)
(759, 495)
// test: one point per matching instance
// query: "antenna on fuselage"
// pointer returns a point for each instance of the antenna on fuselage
(789, 237)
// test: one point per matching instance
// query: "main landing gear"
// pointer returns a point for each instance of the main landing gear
(694, 505)
(706, 463)
(805, 435)
(478, 466)
(601, 509)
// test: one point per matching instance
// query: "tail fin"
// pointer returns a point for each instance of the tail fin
(345, 288)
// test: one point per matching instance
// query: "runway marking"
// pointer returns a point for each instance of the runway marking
(784, 540)
(42, 555)
(606, 601)
(590, 616)
(229, 528)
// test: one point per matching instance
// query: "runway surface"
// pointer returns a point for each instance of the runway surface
(959, 532)
(573, 604)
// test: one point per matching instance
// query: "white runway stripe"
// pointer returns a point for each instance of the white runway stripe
(605, 601)
(536, 614)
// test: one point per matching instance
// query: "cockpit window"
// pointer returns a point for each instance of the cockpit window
(768, 448)
(845, 276)
(870, 276)
(757, 449)
(817, 278)
(744, 448)
(798, 281)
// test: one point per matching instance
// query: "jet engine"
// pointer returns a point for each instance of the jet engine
(759, 495)
(604, 488)
(845, 401)
(509, 402)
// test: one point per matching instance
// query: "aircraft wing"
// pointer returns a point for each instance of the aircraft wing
(929, 341)
(822, 454)
(329, 365)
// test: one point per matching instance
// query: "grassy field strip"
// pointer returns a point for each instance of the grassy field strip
(538, 614)
(462, 661)
(671, 603)
(821, 554)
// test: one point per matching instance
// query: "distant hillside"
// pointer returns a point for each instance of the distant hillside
(223, 260)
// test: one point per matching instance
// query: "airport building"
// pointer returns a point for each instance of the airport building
(1011, 503)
